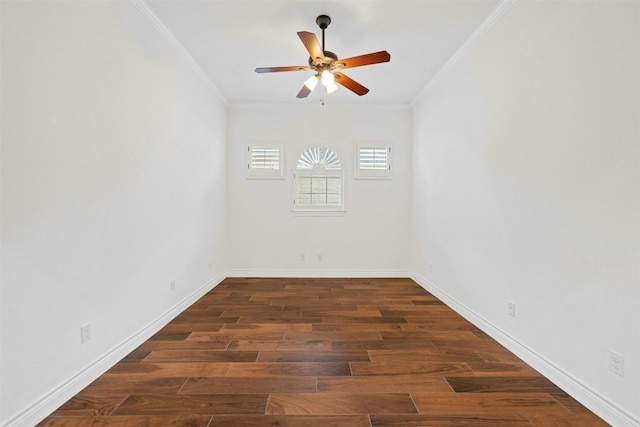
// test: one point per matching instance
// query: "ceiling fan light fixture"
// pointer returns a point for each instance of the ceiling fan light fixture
(311, 82)
(331, 86)
(329, 81)
(327, 77)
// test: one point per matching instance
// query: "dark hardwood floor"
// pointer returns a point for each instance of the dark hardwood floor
(321, 352)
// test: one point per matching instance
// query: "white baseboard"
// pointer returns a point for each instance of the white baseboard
(65, 391)
(605, 409)
(320, 273)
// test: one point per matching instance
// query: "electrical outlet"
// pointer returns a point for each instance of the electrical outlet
(85, 333)
(616, 363)
(512, 309)
(320, 257)
(173, 285)
(302, 257)
(430, 268)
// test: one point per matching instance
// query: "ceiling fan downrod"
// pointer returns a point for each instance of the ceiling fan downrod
(323, 22)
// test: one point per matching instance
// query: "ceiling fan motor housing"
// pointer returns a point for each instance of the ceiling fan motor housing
(329, 56)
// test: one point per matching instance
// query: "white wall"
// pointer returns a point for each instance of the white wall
(522, 184)
(371, 238)
(526, 177)
(113, 184)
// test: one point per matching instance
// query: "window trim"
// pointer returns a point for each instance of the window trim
(265, 173)
(361, 173)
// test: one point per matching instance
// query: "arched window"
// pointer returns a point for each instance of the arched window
(319, 158)
(319, 183)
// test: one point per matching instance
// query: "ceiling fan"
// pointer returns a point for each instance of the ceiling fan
(326, 64)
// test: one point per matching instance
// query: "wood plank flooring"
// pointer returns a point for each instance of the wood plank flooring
(321, 352)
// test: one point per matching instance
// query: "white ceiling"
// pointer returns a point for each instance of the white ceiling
(230, 38)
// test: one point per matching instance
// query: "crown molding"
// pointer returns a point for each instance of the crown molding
(257, 106)
(496, 14)
(175, 44)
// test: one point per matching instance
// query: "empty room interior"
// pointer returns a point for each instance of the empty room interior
(482, 154)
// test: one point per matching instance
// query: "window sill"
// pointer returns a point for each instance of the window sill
(318, 212)
(265, 176)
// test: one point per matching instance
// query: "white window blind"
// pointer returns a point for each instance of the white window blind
(373, 161)
(320, 189)
(264, 161)
(373, 158)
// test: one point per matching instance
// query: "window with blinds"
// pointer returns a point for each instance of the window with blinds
(373, 161)
(319, 182)
(264, 161)
(319, 189)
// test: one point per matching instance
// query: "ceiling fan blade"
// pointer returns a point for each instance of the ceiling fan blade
(304, 92)
(310, 41)
(277, 69)
(350, 84)
(359, 61)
